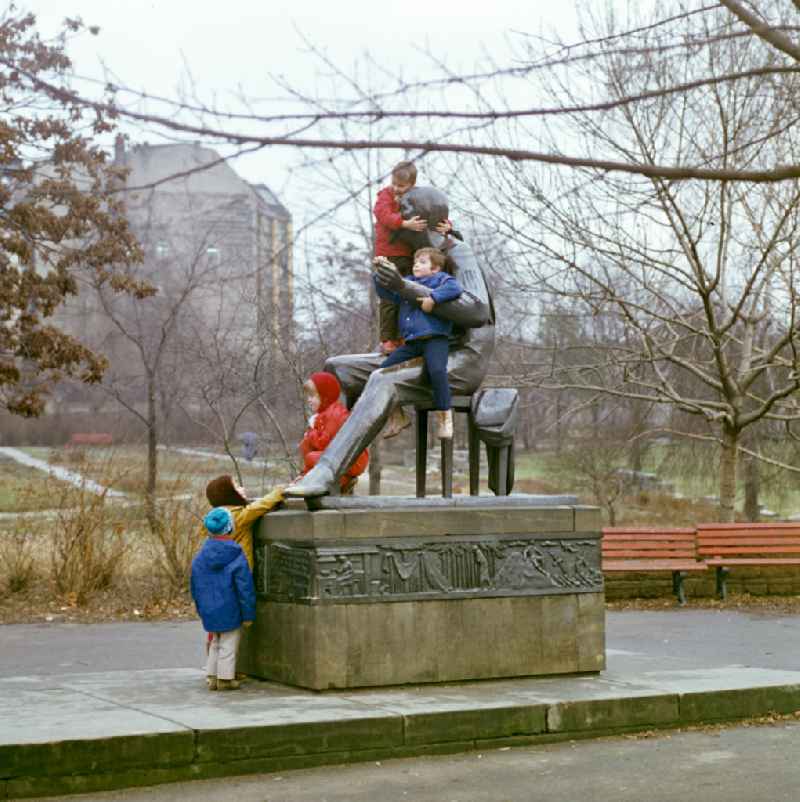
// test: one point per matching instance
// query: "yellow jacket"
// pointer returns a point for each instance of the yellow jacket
(245, 517)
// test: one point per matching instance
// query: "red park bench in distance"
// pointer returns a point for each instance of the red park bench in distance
(90, 439)
(645, 550)
(747, 544)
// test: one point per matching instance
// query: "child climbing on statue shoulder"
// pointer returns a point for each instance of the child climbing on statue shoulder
(425, 335)
(388, 222)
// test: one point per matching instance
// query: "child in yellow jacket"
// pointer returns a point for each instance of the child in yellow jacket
(225, 491)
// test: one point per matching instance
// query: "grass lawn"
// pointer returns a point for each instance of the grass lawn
(124, 468)
(23, 489)
(692, 473)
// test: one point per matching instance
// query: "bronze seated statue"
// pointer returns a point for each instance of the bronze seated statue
(373, 392)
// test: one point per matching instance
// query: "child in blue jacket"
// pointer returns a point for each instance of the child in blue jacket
(426, 335)
(225, 597)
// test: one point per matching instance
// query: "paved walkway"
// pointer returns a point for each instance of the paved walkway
(66, 727)
(65, 475)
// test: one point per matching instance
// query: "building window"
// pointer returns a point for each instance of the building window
(213, 255)
(162, 249)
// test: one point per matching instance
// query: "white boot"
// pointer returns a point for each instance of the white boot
(444, 424)
(398, 420)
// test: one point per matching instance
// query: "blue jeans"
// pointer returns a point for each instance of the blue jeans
(434, 351)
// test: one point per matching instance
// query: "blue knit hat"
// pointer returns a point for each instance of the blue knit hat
(219, 521)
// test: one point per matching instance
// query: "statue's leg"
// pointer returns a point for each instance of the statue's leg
(385, 387)
(353, 372)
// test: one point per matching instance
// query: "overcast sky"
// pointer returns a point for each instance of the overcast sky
(238, 43)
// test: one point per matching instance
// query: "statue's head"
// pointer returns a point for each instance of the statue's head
(426, 202)
(431, 205)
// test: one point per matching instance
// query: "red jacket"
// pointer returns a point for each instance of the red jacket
(387, 220)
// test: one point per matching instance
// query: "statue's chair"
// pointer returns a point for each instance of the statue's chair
(492, 417)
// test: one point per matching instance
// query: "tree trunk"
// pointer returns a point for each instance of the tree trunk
(596, 420)
(612, 513)
(559, 434)
(752, 508)
(152, 458)
(636, 456)
(727, 474)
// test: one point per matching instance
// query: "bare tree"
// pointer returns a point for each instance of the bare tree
(446, 112)
(59, 220)
(143, 339)
(672, 227)
(686, 290)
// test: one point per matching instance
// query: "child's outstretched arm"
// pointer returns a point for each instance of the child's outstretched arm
(255, 509)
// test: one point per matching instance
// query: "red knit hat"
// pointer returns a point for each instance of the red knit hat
(328, 388)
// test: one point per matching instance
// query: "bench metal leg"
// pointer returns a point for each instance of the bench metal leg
(422, 450)
(447, 468)
(474, 446)
(677, 586)
(722, 576)
(502, 471)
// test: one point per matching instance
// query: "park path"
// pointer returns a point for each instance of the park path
(74, 478)
(64, 474)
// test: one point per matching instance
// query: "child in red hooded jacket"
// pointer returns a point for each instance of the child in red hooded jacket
(329, 413)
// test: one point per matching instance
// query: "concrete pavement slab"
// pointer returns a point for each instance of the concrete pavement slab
(81, 731)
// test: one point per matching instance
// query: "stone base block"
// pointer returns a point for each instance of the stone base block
(353, 597)
(358, 645)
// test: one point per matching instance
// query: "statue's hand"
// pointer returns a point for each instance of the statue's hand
(387, 274)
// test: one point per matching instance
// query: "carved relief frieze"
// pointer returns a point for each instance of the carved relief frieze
(428, 568)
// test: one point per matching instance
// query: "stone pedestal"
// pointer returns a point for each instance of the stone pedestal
(395, 590)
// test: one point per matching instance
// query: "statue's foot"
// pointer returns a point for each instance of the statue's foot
(319, 481)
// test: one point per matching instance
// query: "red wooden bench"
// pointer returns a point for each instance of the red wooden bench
(724, 545)
(649, 549)
(90, 439)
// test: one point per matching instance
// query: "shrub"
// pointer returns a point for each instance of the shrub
(17, 558)
(177, 539)
(87, 543)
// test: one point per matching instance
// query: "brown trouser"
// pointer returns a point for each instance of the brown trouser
(388, 309)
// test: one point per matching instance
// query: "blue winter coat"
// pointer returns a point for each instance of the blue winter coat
(222, 586)
(411, 320)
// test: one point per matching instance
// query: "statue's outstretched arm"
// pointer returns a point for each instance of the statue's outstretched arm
(466, 311)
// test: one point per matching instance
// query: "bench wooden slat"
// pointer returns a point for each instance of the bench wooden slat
(648, 555)
(682, 541)
(616, 538)
(653, 565)
(747, 542)
(753, 529)
(738, 537)
(651, 545)
(705, 551)
(747, 524)
(753, 561)
(650, 530)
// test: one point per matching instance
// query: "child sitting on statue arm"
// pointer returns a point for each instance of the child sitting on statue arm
(425, 335)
